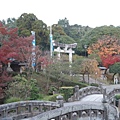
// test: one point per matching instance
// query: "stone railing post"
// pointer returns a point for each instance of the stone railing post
(100, 86)
(114, 101)
(105, 115)
(119, 104)
(104, 96)
(76, 92)
(60, 100)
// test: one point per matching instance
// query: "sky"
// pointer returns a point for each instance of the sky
(92, 13)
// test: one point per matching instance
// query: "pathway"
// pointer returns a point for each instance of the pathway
(109, 88)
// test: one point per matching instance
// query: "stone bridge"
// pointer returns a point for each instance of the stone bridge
(80, 93)
(80, 111)
(25, 109)
(108, 95)
(75, 109)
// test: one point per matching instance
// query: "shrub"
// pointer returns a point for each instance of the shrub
(67, 92)
(51, 89)
(94, 84)
(12, 99)
(51, 97)
(73, 83)
(23, 88)
(117, 97)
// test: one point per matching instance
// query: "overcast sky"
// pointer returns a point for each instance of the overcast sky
(83, 12)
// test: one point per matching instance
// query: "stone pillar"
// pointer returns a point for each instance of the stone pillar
(60, 100)
(105, 115)
(18, 110)
(30, 108)
(104, 96)
(119, 105)
(70, 55)
(58, 52)
(9, 69)
(100, 86)
(69, 115)
(114, 101)
(76, 92)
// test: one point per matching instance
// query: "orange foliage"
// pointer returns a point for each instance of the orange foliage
(105, 46)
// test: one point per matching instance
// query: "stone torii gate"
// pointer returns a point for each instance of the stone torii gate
(64, 48)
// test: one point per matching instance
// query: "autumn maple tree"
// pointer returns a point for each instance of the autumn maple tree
(13, 47)
(110, 60)
(90, 67)
(105, 46)
(108, 49)
(86, 67)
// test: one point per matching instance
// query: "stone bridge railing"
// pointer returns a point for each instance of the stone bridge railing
(25, 109)
(81, 111)
(46, 110)
(110, 96)
(80, 93)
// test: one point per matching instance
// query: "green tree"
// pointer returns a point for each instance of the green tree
(97, 33)
(115, 68)
(22, 88)
(63, 22)
(57, 71)
(29, 22)
(59, 35)
(75, 32)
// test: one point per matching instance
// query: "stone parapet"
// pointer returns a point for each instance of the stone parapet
(24, 109)
(80, 111)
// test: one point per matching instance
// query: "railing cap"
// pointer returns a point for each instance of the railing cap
(59, 97)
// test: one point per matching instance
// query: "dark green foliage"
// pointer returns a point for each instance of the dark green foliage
(34, 90)
(52, 89)
(29, 22)
(51, 97)
(58, 70)
(63, 22)
(94, 84)
(76, 32)
(76, 65)
(73, 83)
(67, 92)
(115, 68)
(117, 97)
(12, 99)
(66, 39)
(59, 35)
(10, 23)
(96, 33)
(23, 88)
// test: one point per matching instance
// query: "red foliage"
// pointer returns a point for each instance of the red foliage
(14, 46)
(44, 61)
(4, 78)
(110, 60)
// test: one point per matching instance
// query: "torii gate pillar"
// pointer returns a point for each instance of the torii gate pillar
(67, 49)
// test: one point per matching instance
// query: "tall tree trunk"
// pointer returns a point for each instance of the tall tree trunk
(83, 77)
